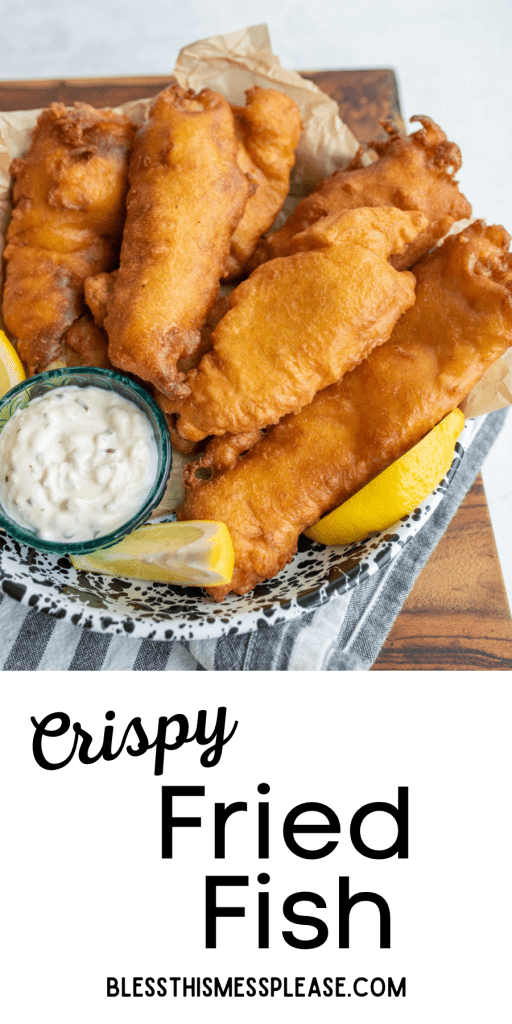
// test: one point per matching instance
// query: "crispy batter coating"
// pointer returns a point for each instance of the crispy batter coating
(268, 129)
(186, 197)
(68, 195)
(167, 405)
(298, 324)
(85, 344)
(221, 453)
(310, 463)
(90, 342)
(414, 172)
(98, 291)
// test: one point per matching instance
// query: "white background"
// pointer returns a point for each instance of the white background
(87, 892)
(88, 895)
(453, 60)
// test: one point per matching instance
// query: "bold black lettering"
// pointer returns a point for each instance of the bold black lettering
(289, 912)
(160, 743)
(263, 823)
(169, 822)
(212, 756)
(226, 990)
(222, 813)
(41, 730)
(263, 920)
(85, 745)
(112, 987)
(356, 987)
(393, 991)
(345, 906)
(213, 911)
(401, 816)
(290, 829)
(140, 733)
(105, 750)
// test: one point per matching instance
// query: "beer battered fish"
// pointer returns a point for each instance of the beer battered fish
(309, 464)
(298, 324)
(68, 196)
(167, 405)
(268, 129)
(86, 344)
(98, 291)
(414, 172)
(187, 195)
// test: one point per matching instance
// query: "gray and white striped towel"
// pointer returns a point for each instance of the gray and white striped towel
(343, 635)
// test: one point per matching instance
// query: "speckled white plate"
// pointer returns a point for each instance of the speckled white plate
(162, 612)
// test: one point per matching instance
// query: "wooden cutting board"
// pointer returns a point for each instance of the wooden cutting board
(457, 615)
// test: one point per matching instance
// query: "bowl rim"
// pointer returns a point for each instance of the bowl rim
(227, 618)
(25, 536)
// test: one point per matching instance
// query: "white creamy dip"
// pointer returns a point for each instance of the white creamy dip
(76, 463)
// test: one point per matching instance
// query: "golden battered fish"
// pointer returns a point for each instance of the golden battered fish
(68, 195)
(414, 172)
(187, 195)
(309, 464)
(268, 129)
(98, 291)
(298, 324)
(219, 308)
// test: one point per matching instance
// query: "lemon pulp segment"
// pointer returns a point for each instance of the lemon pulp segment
(188, 553)
(11, 367)
(396, 491)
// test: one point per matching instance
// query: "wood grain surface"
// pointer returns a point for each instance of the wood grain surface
(457, 615)
(364, 97)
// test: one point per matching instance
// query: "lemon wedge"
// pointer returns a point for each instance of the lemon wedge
(190, 553)
(396, 491)
(11, 367)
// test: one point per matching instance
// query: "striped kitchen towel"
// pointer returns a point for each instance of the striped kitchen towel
(345, 634)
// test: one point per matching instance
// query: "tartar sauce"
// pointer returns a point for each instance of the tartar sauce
(76, 463)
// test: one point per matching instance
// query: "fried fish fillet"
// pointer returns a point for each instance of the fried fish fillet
(298, 324)
(68, 195)
(98, 291)
(414, 172)
(86, 344)
(309, 464)
(268, 129)
(187, 194)
(167, 405)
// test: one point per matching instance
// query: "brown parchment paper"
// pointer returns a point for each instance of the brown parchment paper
(230, 64)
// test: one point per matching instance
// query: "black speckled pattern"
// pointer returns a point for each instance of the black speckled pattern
(159, 611)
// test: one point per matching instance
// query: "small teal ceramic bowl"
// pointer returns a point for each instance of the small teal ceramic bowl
(20, 396)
